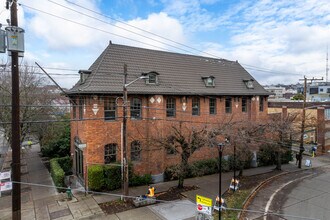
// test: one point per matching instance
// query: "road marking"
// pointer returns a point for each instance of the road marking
(272, 197)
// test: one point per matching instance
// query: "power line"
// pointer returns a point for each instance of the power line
(118, 35)
(149, 38)
(88, 26)
(162, 37)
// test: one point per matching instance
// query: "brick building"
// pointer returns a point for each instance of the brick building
(317, 121)
(179, 88)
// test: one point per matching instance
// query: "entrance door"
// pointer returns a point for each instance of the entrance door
(79, 162)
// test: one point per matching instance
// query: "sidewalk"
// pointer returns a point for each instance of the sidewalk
(42, 201)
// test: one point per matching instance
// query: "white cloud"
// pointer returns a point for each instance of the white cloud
(281, 36)
(158, 24)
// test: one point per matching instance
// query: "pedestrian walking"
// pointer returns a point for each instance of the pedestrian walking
(297, 158)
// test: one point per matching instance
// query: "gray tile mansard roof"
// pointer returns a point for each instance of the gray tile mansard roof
(179, 74)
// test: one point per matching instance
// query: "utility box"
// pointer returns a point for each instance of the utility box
(2, 41)
(15, 39)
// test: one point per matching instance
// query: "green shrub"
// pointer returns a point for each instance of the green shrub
(107, 177)
(224, 165)
(204, 167)
(287, 156)
(57, 173)
(66, 164)
(137, 180)
(58, 147)
(171, 172)
(243, 159)
(112, 177)
(198, 168)
(267, 156)
(95, 177)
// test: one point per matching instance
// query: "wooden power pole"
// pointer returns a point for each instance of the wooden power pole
(16, 145)
(302, 131)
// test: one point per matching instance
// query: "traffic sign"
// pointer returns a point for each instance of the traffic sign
(203, 200)
(5, 175)
(204, 209)
(6, 186)
(204, 205)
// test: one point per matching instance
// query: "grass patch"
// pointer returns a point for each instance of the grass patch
(233, 200)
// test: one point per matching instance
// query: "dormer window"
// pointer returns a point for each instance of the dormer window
(152, 77)
(209, 81)
(249, 83)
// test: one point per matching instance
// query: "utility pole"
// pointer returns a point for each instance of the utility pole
(302, 132)
(16, 148)
(125, 165)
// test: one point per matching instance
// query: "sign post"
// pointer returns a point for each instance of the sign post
(204, 206)
(5, 186)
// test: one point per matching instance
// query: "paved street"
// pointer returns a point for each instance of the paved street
(296, 195)
(309, 197)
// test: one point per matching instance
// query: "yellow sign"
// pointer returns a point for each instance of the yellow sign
(203, 200)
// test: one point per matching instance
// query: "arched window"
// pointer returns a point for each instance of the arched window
(110, 151)
(135, 150)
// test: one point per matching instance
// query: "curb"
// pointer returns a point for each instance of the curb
(251, 196)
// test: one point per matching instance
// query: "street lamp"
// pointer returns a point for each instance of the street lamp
(220, 149)
(125, 164)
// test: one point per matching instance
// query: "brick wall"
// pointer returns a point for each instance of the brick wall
(96, 132)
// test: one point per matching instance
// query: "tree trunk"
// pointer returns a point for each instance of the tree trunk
(240, 174)
(278, 160)
(183, 169)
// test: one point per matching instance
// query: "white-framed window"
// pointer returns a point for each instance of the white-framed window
(110, 109)
(209, 81)
(327, 113)
(136, 108)
(195, 106)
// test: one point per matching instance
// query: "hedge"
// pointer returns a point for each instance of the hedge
(198, 168)
(57, 173)
(108, 178)
(95, 177)
(66, 164)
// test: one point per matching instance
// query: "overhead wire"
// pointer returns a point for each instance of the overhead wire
(91, 27)
(160, 201)
(152, 45)
(248, 66)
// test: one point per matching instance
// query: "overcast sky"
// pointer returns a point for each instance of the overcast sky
(276, 41)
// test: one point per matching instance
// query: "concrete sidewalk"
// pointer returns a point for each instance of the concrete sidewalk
(39, 198)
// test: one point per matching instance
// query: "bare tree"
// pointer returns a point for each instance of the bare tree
(280, 129)
(35, 100)
(184, 139)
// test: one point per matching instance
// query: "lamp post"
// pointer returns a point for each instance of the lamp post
(234, 167)
(125, 163)
(220, 149)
